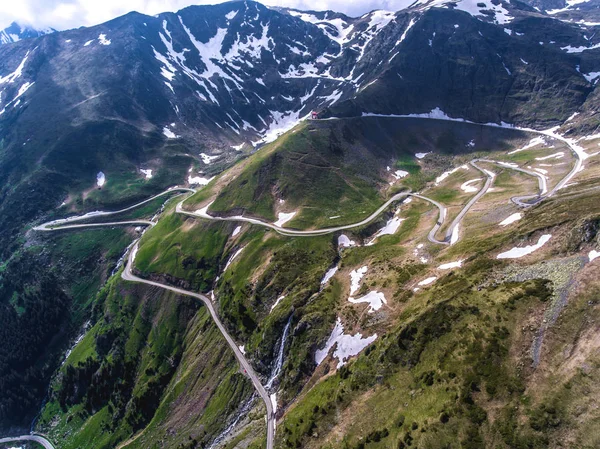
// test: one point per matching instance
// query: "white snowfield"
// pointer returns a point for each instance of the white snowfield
(468, 188)
(444, 175)
(539, 140)
(558, 155)
(207, 159)
(11, 77)
(345, 242)
(427, 281)
(169, 134)
(147, 173)
(346, 345)
(421, 155)
(103, 40)
(455, 234)
(236, 231)
(100, 179)
(283, 218)
(593, 254)
(399, 174)
(510, 219)
(355, 278)
(516, 253)
(233, 257)
(277, 301)
(329, 274)
(199, 180)
(450, 265)
(375, 300)
(390, 228)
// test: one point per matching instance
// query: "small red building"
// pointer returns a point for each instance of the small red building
(314, 115)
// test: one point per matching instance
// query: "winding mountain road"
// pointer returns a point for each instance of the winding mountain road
(63, 222)
(315, 232)
(128, 275)
(24, 438)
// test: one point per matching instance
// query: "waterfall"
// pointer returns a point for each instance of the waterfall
(243, 412)
(279, 360)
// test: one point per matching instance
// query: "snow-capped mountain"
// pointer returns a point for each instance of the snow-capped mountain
(227, 78)
(15, 32)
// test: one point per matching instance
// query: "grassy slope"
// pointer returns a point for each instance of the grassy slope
(445, 368)
(150, 359)
(454, 367)
(339, 168)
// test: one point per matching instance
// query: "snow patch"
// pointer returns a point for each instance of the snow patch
(399, 174)
(328, 275)
(11, 77)
(283, 218)
(345, 242)
(444, 175)
(532, 143)
(207, 159)
(277, 301)
(100, 179)
(558, 155)
(450, 265)
(375, 300)
(511, 219)
(390, 228)
(169, 134)
(468, 188)
(103, 40)
(347, 345)
(516, 253)
(147, 173)
(233, 257)
(455, 234)
(355, 278)
(199, 180)
(421, 155)
(593, 254)
(231, 15)
(427, 281)
(236, 231)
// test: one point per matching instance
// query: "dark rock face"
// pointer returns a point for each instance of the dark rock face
(478, 71)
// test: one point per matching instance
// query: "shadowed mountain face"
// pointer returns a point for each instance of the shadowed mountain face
(141, 92)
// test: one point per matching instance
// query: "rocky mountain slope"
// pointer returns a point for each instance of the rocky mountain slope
(99, 118)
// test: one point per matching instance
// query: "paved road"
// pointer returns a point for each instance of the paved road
(315, 232)
(91, 215)
(94, 225)
(37, 438)
(525, 201)
(128, 275)
(575, 149)
(488, 183)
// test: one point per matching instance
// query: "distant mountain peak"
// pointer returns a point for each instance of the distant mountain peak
(16, 32)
